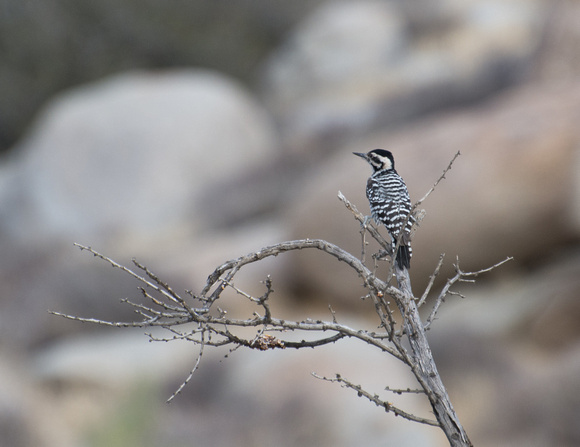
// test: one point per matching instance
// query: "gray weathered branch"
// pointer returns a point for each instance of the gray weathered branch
(198, 317)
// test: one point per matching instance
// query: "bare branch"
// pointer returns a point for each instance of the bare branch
(389, 407)
(209, 324)
(488, 269)
(459, 276)
(165, 291)
(366, 223)
(145, 323)
(431, 281)
(190, 375)
(405, 391)
(422, 199)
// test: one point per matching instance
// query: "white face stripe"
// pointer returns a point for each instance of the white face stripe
(380, 162)
(386, 162)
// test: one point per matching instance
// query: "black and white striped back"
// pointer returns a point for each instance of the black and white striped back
(390, 205)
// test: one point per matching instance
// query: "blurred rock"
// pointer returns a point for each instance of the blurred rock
(558, 58)
(110, 359)
(16, 409)
(354, 66)
(510, 354)
(131, 155)
(510, 193)
(552, 325)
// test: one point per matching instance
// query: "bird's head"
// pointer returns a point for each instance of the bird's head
(379, 159)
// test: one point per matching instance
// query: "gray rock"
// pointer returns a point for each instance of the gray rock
(558, 58)
(351, 67)
(130, 155)
(22, 412)
(511, 356)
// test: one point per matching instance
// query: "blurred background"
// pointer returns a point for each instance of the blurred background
(186, 133)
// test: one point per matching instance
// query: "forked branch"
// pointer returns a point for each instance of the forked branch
(203, 319)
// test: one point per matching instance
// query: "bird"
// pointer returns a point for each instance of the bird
(390, 202)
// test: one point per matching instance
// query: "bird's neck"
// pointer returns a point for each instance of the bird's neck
(381, 172)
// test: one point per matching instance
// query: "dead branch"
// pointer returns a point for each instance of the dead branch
(460, 276)
(388, 407)
(198, 317)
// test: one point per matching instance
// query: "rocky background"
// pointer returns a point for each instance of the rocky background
(188, 133)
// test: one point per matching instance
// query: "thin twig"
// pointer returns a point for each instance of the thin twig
(405, 390)
(389, 407)
(459, 276)
(368, 224)
(164, 289)
(431, 280)
(421, 200)
(191, 372)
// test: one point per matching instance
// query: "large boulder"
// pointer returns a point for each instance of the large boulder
(131, 154)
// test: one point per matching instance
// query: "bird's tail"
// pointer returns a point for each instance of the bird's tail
(404, 256)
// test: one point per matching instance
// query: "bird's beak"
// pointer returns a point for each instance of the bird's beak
(361, 155)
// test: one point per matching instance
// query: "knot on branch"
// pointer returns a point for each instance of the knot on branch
(266, 341)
